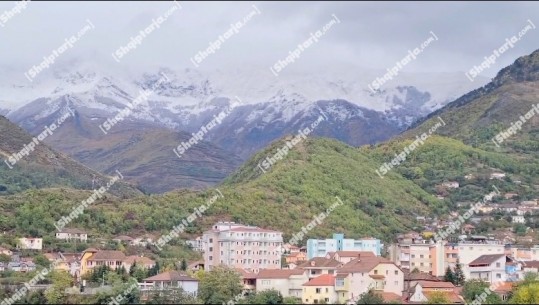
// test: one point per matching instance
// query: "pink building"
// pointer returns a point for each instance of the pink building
(239, 246)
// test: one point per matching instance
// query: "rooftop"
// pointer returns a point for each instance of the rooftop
(322, 280)
(170, 276)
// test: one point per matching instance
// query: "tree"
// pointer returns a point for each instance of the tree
(415, 270)
(219, 285)
(60, 281)
(526, 294)
(449, 275)
(271, 296)
(370, 297)
(460, 279)
(438, 297)
(41, 260)
(184, 265)
(4, 258)
(291, 300)
(476, 287)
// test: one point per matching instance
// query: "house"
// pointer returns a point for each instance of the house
(346, 256)
(31, 243)
(412, 278)
(518, 219)
(510, 195)
(68, 262)
(6, 251)
(320, 289)
(451, 184)
(195, 266)
(124, 239)
(364, 273)
(19, 264)
(72, 234)
(289, 282)
(248, 280)
(424, 290)
(140, 261)
(490, 268)
(319, 265)
(295, 257)
(504, 290)
(468, 177)
(196, 244)
(142, 240)
(498, 176)
(169, 280)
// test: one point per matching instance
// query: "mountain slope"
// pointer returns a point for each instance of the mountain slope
(478, 117)
(142, 150)
(286, 197)
(45, 167)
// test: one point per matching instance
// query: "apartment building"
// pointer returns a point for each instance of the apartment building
(240, 246)
(427, 257)
(469, 251)
(320, 247)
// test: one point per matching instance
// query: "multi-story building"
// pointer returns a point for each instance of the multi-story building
(239, 246)
(320, 290)
(320, 247)
(319, 265)
(31, 243)
(489, 268)
(364, 273)
(421, 255)
(196, 244)
(289, 282)
(468, 251)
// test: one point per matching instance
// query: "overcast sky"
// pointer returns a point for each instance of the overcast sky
(371, 35)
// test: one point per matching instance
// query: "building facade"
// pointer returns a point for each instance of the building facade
(320, 247)
(239, 246)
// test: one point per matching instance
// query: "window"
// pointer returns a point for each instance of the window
(413, 255)
(211, 257)
(327, 290)
(318, 290)
(339, 282)
(498, 275)
(498, 265)
(396, 272)
(396, 283)
(265, 282)
(421, 256)
(211, 249)
(375, 271)
(327, 300)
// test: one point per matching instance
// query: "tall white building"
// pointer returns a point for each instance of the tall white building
(239, 246)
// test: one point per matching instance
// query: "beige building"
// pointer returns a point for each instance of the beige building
(31, 243)
(288, 282)
(72, 234)
(239, 246)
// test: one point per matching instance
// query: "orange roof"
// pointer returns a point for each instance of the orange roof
(278, 273)
(430, 284)
(451, 296)
(139, 260)
(504, 287)
(363, 264)
(355, 253)
(322, 280)
(389, 296)
(245, 274)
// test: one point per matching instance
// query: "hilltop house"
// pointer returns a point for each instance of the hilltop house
(72, 234)
(169, 280)
(31, 243)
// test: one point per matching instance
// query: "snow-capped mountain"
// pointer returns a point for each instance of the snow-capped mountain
(269, 106)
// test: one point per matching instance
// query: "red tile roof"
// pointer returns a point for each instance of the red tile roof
(320, 262)
(322, 280)
(106, 255)
(429, 284)
(451, 296)
(486, 259)
(355, 253)
(364, 264)
(389, 296)
(278, 273)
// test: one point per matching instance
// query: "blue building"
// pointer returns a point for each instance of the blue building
(320, 247)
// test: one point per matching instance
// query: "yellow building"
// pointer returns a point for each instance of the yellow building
(321, 289)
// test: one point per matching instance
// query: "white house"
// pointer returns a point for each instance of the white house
(489, 268)
(497, 176)
(72, 234)
(31, 243)
(518, 219)
(451, 184)
(170, 280)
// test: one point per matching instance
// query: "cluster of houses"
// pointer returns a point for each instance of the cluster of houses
(331, 270)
